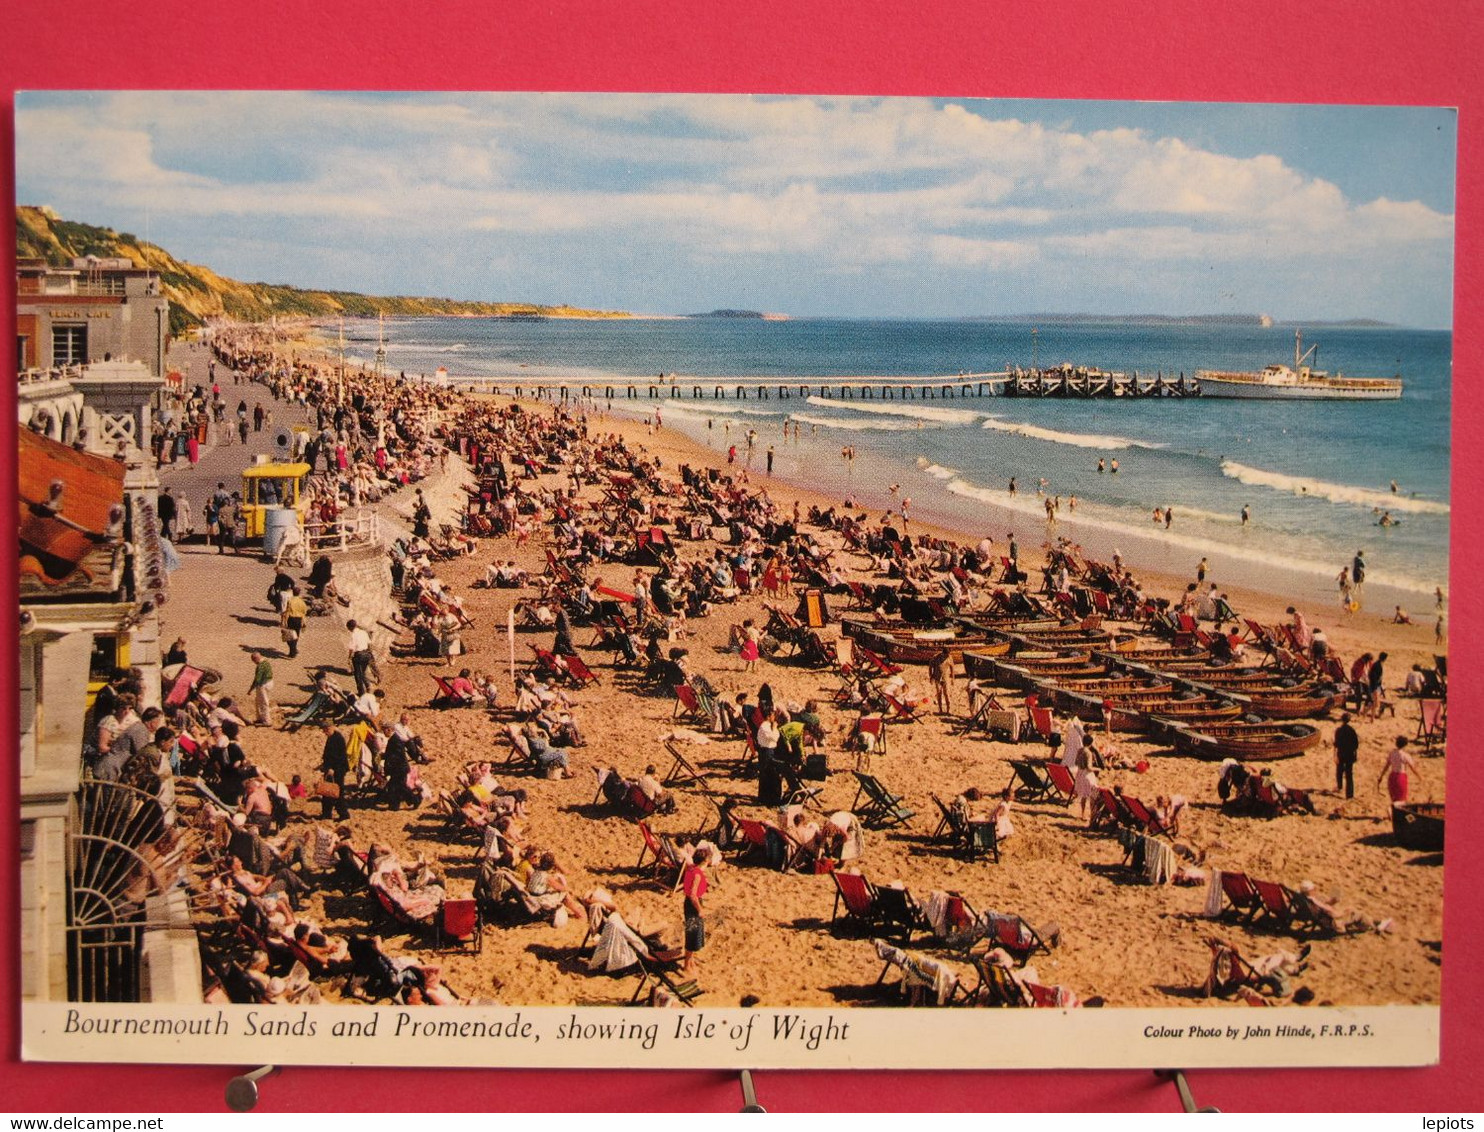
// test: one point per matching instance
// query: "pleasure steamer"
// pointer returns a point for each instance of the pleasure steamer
(1298, 382)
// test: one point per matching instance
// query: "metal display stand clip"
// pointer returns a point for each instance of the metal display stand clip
(242, 1092)
(1177, 1078)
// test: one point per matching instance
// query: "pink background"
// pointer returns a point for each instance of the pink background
(1327, 51)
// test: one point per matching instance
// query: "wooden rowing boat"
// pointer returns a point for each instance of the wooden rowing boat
(1246, 742)
(1418, 825)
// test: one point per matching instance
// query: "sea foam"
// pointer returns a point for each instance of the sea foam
(1334, 492)
(917, 412)
(937, 471)
(856, 425)
(1075, 439)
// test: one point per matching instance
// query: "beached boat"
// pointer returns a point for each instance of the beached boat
(1246, 742)
(1418, 825)
(903, 644)
(1013, 675)
(1298, 382)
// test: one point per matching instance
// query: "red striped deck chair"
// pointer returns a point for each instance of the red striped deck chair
(580, 674)
(1431, 722)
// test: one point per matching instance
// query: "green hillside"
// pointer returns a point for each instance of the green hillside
(197, 293)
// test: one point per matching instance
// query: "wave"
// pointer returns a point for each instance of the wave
(703, 409)
(1217, 551)
(1334, 492)
(937, 471)
(855, 426)
(917, 412)
(1075, 439)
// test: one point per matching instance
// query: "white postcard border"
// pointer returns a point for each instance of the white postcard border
(718, 1037)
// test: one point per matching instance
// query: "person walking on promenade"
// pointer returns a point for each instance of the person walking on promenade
(291, 623)
(361, 658)
(257, 418)
(226, 524)
(166, 510)
(1347, 749)
(262, 689)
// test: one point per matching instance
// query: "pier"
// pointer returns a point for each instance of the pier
(1069, 382)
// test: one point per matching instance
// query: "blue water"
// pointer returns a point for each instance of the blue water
(1315, 475)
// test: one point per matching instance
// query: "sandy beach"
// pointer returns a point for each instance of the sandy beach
(769, 933)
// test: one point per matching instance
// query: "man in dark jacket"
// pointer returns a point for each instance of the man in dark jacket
(334, 764)
(395, 764)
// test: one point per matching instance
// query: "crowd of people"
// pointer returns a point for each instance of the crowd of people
(636, 553)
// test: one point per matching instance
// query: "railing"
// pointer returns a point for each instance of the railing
(362, 528)
(40, 376)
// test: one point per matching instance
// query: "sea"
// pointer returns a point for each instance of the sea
(1315, 477)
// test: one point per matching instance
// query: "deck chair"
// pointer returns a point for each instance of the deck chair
(1144, 819)
(682, 770)
(184, 685)
(664, 867)
(1230, 975)
(1062, 783)
(459, 926)
(947, 820)
(656, 971)
(1039, 718)
(755, 837)
(1107, 809)
(883, 807)
(1431, 723)
(1035, 781)
(963, 927)
(578, 671)
(688, 705)
(876, 665)
(1279, 906)
(901, 712)
(855, 903)
(400, 914)
(446, 697)
(1240, 896)
(317, 705)
(997, 985)
(520, 751)
(1018, 936)
(899, 914)
(547, 666)
(799, 794)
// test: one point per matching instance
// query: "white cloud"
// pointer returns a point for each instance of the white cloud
(776, 182)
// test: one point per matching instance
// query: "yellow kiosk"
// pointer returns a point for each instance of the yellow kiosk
(267, 487)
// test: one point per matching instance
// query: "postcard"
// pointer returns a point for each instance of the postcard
(653, 580)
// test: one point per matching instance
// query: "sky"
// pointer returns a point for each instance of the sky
(799, 205)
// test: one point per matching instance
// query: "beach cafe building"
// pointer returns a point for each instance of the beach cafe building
(95, 310)
(92, 577)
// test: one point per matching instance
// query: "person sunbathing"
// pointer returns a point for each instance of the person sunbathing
(284, 881)
(1325, 913)
(663, 800)
(462, 690)
(487, 690)
(331, 952)
(546, 879)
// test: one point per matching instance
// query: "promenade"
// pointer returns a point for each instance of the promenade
(218, 602)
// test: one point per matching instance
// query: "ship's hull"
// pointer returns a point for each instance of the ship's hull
(1304, 391)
